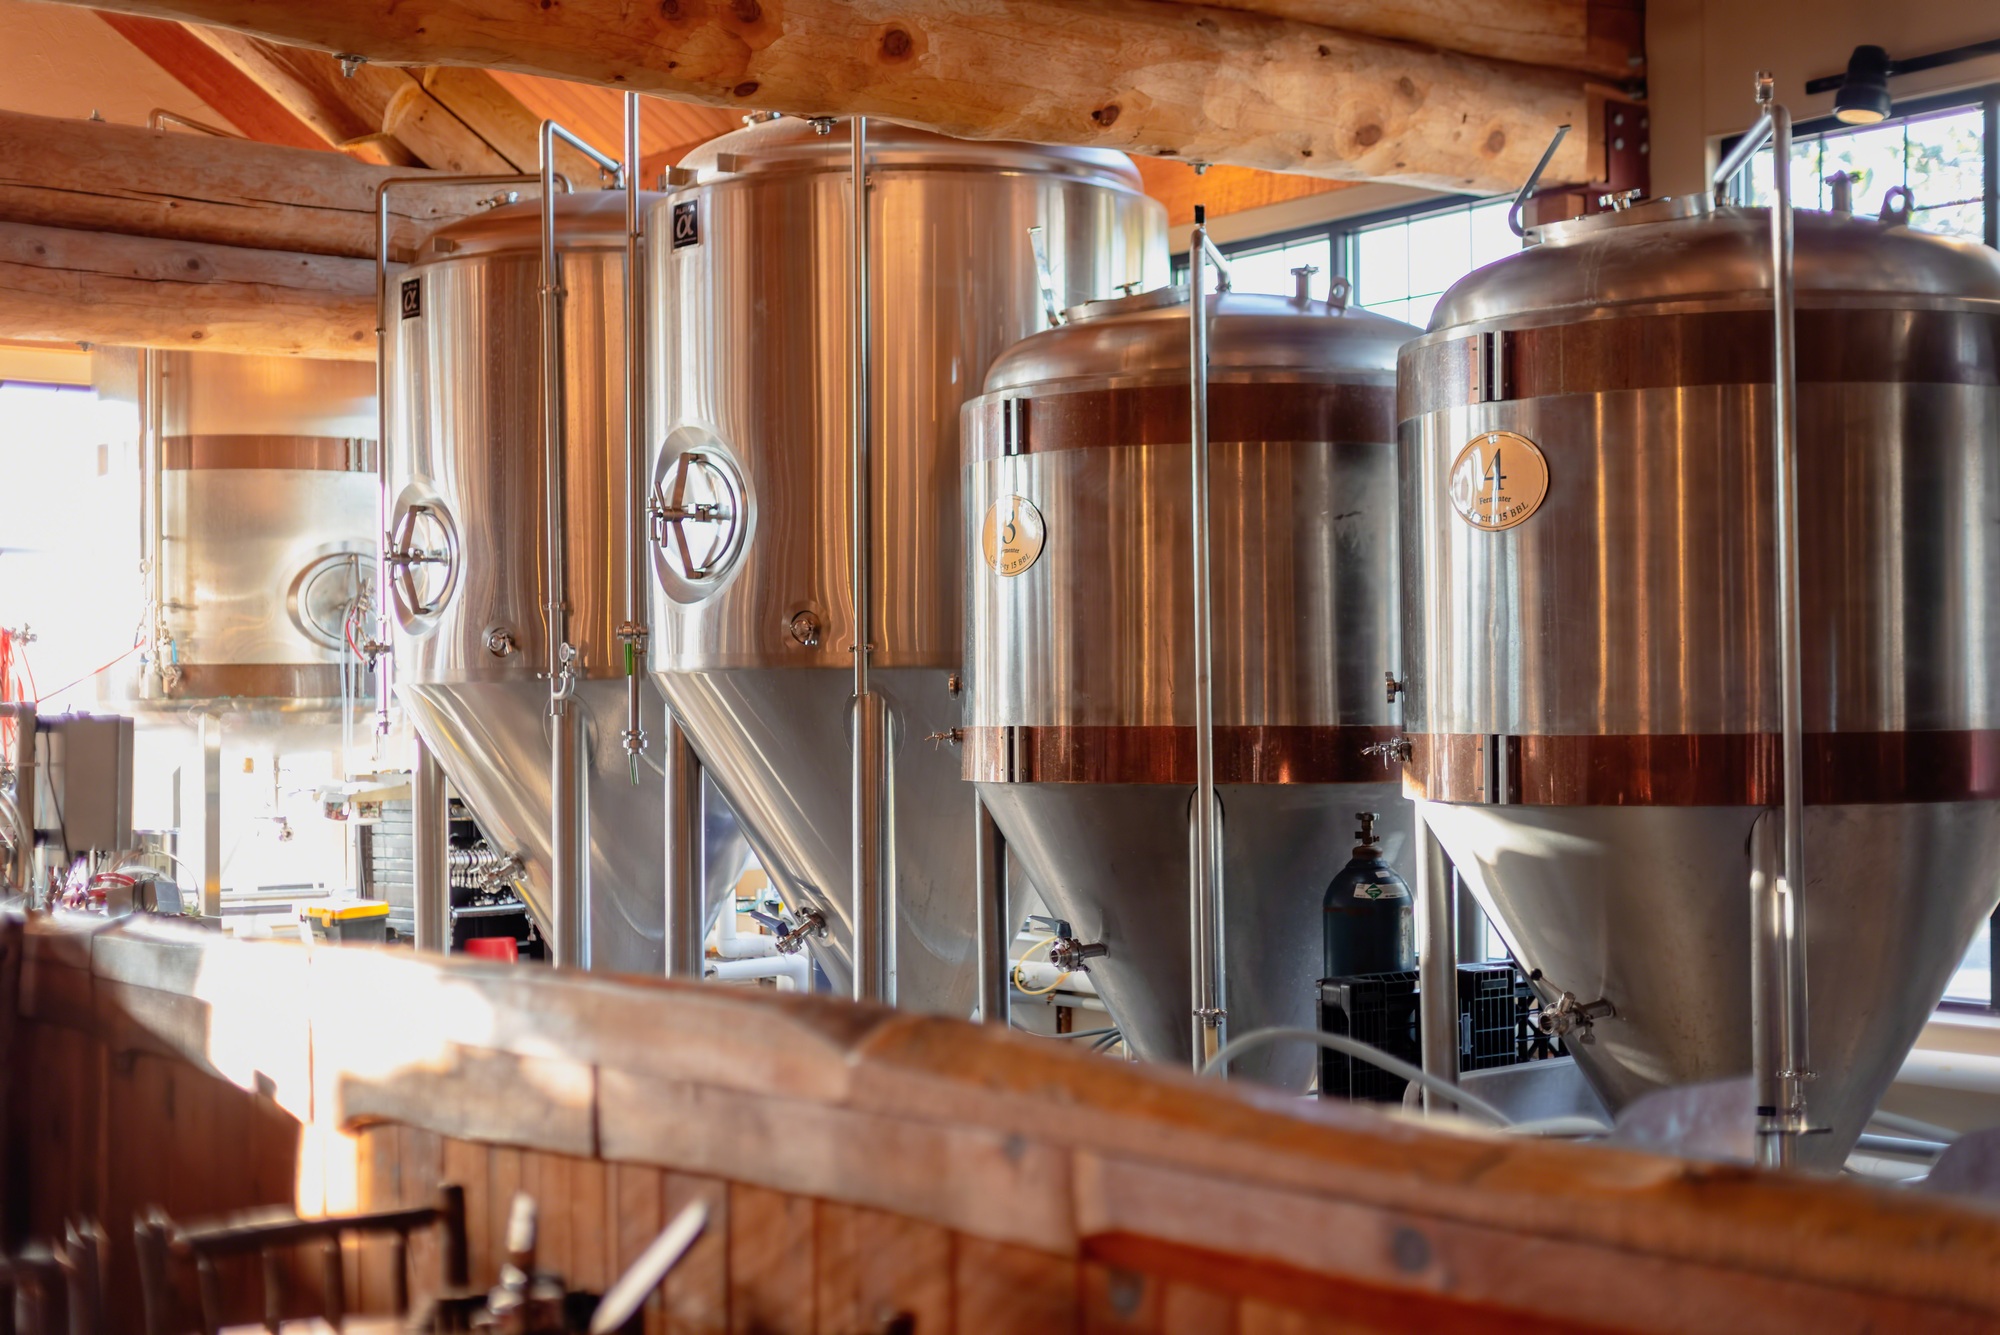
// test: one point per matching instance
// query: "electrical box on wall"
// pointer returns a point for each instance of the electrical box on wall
(84, 803)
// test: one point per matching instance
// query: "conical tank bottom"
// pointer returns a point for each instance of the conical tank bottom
(492, 738)
(1649, 908)
(778, 742)
(1112, 859)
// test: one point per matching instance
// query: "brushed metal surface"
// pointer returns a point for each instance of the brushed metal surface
(1649, 907)
(1092, 644)
(1621, 642)
(776, 742)
(1097, 631)
(466, 442)
(749, 353)
(750, 366)
(492, 739)
(1636, 600)
(1113, 860)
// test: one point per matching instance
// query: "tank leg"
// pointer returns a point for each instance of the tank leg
(996, 930)
(1437, 962)
(686, 873)
(429, 820)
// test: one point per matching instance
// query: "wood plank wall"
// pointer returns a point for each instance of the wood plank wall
(873, 1172)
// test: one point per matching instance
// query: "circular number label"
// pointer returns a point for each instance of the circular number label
(1013, 535)
(1498, 480)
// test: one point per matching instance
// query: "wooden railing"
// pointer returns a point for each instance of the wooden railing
(869, 1170)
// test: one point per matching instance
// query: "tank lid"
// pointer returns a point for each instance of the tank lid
(1692, 249)
(793, 144)
(1147, 334)
(586, 220)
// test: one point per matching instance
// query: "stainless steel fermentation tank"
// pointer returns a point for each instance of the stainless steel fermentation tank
(257, 515)
(1590, 637)
(468, 577)
(1081, 666)
(754, 619)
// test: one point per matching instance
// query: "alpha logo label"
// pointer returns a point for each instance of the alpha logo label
(1498, 480)
(687, 223)
(413, 298)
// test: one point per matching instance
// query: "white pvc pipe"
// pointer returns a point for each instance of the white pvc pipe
(732, 945)
(796, 969)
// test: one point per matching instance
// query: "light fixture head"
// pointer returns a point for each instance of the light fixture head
(1863, 98)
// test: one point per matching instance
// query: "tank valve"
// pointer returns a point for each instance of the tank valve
(1066, 952)
(1618, 200)
(1395, 687)
(1570, 1017)
(822, 125)
(811, 923)
(1395, 751)
(500, 642)
(954, 736)
(805, 629)
(1302, 284)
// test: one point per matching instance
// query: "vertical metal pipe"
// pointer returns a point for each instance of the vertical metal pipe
(429, 844)
(211, 816)
(1791, 1117)
(873, 913)
(686, 874)
(995, 929)
(22, 713)
(1205, 910)
(569, 844)
(634, 631)
(1437, 963)
(1767, 1038)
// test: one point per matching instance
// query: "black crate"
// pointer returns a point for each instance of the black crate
(1488, 1017)
(1380, 1010)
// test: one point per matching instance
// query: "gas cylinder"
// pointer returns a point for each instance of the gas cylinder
(1369, 927)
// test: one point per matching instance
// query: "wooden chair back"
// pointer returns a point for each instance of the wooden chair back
(270, 1235)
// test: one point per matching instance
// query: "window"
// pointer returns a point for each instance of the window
(1399, 264)
(1940, 150)
(1401, 267)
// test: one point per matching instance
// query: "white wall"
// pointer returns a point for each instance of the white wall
(1702, 55)
(56, 60)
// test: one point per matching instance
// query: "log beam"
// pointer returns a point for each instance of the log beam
(1148, 77)
(1604, 38)
(98, 287)
(98, 177)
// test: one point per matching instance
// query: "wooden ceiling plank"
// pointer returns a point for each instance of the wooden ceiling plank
(234, 97)
(1145, 76)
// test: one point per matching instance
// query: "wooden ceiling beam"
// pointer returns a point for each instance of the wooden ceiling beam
(224, 88)
(99, 287)
(94, 176)
(1145, 76)
(1595, 37)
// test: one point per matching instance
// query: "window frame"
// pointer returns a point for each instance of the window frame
(1986, 99)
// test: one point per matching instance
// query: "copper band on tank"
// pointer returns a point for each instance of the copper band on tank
(1672, 351)
(262, 681)
(323, 454)
(1277, 411)
(1705, 770)
(1165, 754)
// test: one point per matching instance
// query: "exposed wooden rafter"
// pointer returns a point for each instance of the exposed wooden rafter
(235, 97)
(172, 185)
(100, 287)
(1147, 76)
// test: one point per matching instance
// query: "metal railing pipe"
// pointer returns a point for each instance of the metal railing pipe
(569, 850)
(873, 907)
(635, 630)
(1206, 915)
